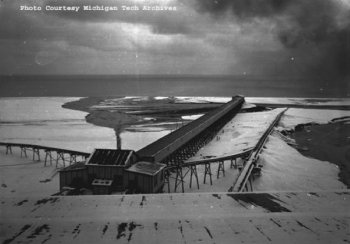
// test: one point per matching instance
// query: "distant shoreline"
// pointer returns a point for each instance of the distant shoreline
(167, 109)
(167, 85)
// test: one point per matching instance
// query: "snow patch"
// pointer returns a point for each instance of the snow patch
(294, 116)
(284, 168)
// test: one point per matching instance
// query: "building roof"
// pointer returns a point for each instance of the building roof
(110, 157)
(146, 168)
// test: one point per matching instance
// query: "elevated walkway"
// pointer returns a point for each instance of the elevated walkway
(160, 150)
(63, 155)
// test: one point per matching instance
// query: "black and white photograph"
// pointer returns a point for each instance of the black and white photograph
(175, 121)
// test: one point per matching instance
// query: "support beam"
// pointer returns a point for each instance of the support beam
(8, 149)
(48, 154)
(36, 151)
(193, 169)
(207, 171)
(221, 168)
(167, 179)
(179, 179)
(23, 151)
(233, 163)
(60, 155)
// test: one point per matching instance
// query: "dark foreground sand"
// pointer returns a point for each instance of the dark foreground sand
(327, 142)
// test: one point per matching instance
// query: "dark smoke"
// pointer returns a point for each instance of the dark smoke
(309, 28)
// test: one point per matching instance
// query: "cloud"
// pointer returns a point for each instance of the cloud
(161, 22)
(317, 32)
(260, 37)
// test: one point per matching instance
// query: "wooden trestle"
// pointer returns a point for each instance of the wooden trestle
(190, 167)
(52, 154)
(180, 145)
(244, 180)
(176, 160)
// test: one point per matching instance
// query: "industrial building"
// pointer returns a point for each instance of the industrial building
(108, 171)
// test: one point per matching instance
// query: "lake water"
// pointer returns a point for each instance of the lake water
(42, 121)
(72, 86)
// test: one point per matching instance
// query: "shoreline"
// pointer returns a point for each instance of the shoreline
(129, 112)
(338, 155)
(326, 142)
(132, 110)
(157, 106)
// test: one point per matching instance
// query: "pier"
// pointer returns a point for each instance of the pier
(52, 154)
(247, 167)
(190, 167)
(181, 144)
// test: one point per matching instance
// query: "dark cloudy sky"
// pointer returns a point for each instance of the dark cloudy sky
(292, 38)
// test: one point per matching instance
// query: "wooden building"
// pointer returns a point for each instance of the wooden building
(103, 172)
(109, 171)
(107, 164)
(145, 177)
(74, 176)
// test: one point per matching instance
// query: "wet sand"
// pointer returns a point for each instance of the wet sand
(132, 112)
(327, 142)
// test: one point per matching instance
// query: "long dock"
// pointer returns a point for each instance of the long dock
(249, 159)
(51, 153)
(183, 143)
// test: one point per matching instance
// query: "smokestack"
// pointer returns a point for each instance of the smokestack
(117, 131)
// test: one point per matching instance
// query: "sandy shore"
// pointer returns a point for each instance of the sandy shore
(24, 178)
(122, 112)
(327, 142)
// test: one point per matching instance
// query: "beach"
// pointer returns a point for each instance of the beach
(87, 123)
(327, 142)
(297, 180)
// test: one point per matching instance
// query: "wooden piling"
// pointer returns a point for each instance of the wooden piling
(207, 171)
(36, 151)
(179, 179)
(23, 151)
(8, 149)
(194, 173)
(221, 167)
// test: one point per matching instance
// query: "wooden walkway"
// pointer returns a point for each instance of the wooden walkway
(179, 145)
(191, 168)
(52, 154)
(247, 169)
(244, 181)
